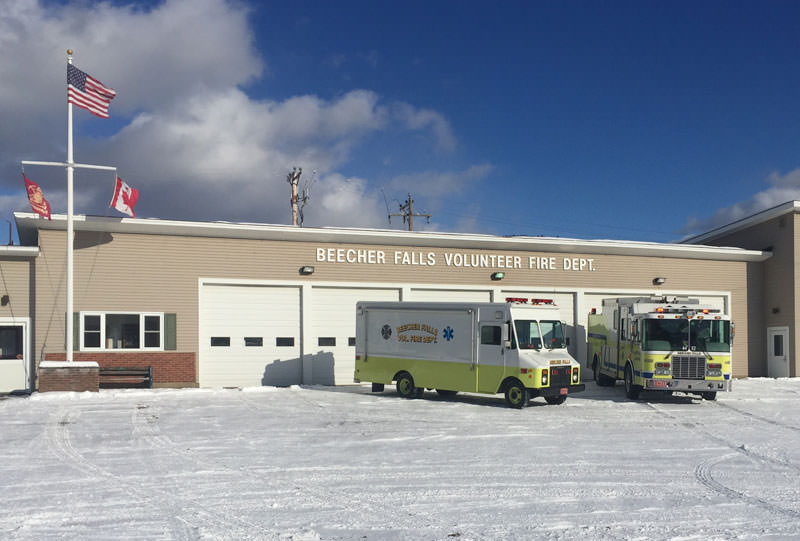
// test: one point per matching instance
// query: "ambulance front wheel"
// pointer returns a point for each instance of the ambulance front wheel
(631, 390)
(709, 395)
(516, 394)
(406, 388)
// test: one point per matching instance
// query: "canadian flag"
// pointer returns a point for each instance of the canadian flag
(124, 198)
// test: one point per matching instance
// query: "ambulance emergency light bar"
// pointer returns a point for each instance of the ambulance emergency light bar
(524, 300)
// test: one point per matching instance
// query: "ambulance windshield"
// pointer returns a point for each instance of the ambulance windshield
(533, 334)
(553, 334)
(528, 335)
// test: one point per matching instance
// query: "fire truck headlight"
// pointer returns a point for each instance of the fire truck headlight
(663, 369)
(714, 370)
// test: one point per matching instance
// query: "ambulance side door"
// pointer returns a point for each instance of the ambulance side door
(491, 354)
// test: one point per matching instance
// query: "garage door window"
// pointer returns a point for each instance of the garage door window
(110, 331)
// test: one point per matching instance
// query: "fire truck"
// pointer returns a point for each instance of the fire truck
(661, 344)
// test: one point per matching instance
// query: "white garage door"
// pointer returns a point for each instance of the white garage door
(249, 335)
(331, 342)
(448, 295)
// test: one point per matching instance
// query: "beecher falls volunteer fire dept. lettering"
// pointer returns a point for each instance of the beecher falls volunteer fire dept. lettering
(453, 259)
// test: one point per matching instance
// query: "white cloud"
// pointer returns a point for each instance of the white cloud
(194, 143)
(782, 188)
(437, 185)
(423, 119)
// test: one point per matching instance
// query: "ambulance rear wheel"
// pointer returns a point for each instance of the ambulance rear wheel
(631, 390)
(406, 388)
(516, 394)
(555, 400)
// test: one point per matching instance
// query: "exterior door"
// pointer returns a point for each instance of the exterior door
(491, 362)
(778, 352)
(13, 357)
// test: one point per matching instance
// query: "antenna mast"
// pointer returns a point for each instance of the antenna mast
(293, 179)
(407, 212)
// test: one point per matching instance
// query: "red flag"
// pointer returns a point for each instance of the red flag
(38, 203)
(124, 198)
(87, 92)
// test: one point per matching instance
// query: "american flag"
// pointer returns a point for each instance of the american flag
(87, 92)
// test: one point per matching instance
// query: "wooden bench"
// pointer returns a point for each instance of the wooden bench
(124, 377)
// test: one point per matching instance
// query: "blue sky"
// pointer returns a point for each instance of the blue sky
(625, 120)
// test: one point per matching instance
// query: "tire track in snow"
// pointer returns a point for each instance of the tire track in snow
(748, 452)
(184, 527)
(321, 496)
(703, 472)
(757, 417)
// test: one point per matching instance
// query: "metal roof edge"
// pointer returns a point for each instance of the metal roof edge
(29, 222)
(744, 223)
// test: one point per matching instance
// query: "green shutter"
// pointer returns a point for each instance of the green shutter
(170, 332)
(76, 331)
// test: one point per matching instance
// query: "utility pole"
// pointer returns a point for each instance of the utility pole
(293, 179)
(407, 212)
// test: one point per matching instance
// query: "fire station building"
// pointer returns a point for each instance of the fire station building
(219, 304)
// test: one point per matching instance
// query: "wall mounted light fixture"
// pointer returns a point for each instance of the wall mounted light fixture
(498, 275)
(659, 280)
(306, 270)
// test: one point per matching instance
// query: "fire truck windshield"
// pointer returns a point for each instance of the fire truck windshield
(666, 334)
(710, 335)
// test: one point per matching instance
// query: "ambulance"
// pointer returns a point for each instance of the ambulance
(661, 344)
(518, 348)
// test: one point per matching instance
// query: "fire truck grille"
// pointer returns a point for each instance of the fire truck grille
(688, 367)
(560, 377)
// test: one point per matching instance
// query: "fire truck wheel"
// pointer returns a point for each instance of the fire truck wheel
(601, 379)
(631, 390)
(444, 393)
(516, 394)
(709, 395)
(555, 400)
(405, 386)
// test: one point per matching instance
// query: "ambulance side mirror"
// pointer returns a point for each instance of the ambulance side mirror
(506, 335)
(567, 341)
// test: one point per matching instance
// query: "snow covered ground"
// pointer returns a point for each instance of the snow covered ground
(343, 463)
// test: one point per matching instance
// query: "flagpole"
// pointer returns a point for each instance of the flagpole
(70, 173)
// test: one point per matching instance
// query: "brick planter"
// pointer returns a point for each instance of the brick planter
(66, 376)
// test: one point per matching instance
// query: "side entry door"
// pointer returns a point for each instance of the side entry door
(491, 362)
(13, 358)
(777, 352)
